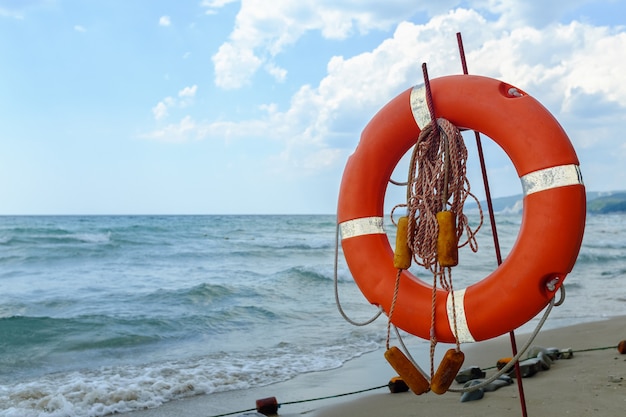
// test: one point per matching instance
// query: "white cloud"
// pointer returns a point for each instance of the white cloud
(596, 65)
(574, 69)
(185, 98)
(19, 9)
(160, 110)
(188, 91)
(213, 5)
(188, 130)
(516, 13)
(279, 74)
(263, 32)
(165, 21)
(182, 131)
(79, 28)
(234, 66)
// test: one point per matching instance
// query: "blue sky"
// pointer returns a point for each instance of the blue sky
(221, 106)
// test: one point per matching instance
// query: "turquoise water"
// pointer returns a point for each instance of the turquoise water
(104, 314)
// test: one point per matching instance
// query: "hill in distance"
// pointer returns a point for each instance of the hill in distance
(598, 202)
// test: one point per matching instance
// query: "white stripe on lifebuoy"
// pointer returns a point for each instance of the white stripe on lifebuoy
(553, 177)
(419, 106)
(463, 332)
(363, 226)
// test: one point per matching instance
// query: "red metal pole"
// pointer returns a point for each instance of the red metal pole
(494, 232)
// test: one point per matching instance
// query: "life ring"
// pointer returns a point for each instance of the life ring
(553, 218)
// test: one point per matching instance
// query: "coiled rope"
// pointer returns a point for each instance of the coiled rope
(437, 181)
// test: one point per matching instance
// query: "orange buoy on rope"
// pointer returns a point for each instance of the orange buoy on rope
(402, 255)
(552, 222)
(397, 384)
(447, 249)
(448, 368)
(411, 375)
(267, 406)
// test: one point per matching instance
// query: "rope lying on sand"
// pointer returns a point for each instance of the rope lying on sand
(377, 388)
(309, 400)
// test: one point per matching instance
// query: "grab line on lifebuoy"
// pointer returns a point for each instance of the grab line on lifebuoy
(552, 219)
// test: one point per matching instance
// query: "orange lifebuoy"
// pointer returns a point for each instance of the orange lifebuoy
(553, 218)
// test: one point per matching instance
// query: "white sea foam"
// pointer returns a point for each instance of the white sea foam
(109, 390)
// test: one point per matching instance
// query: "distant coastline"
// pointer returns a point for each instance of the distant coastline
(598, 202)
(607, 202)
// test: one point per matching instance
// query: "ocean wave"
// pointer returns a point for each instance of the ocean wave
(613, 245)
(203, 293)
(47, 335)
(52, 236)
(619, 272)
(572, 285)
(119, 389)
(303, 274)
(598, 256)
(282, 246)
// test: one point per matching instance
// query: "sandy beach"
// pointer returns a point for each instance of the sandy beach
(592, 382)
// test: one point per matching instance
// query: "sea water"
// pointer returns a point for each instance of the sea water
(105, 314)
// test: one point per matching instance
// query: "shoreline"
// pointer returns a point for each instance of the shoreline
(594, 381)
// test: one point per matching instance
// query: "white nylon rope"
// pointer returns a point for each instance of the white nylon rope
(515, 358)
(336, 283)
